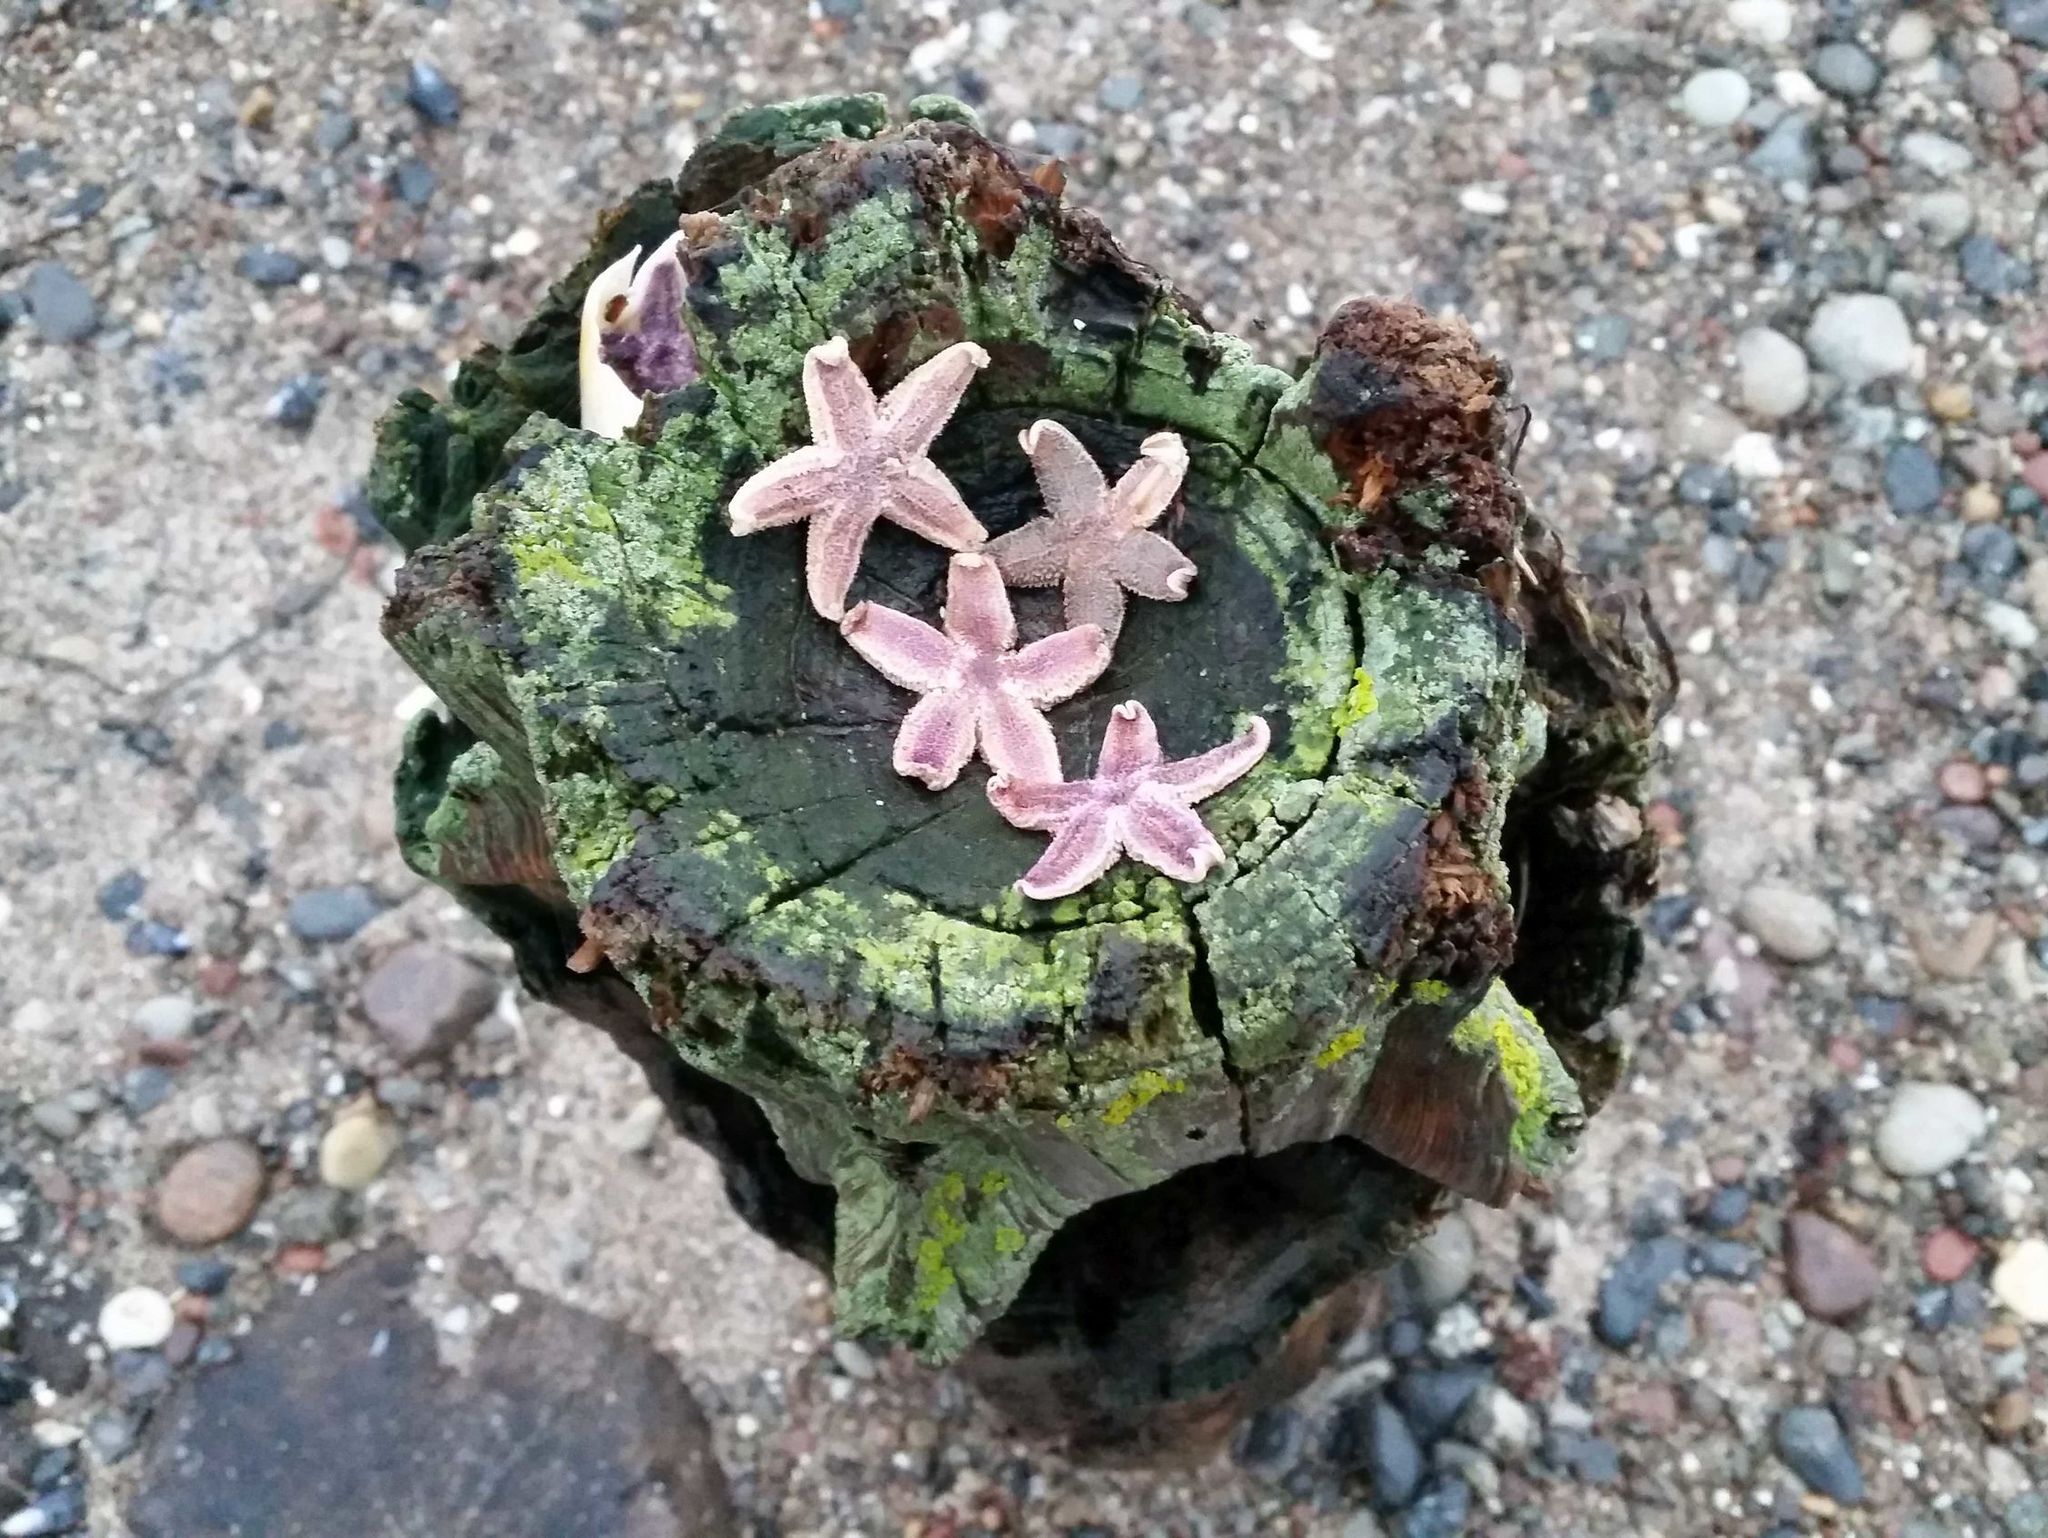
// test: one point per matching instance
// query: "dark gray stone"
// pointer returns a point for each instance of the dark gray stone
(1786, 152)
(331, 913)
(337, 1408)
(1441, 1511)
(1991, 270)
(1629, 1291)
(1392, 1456)
(1603, 338)
(335, 132)
(297, 402)
(61, 1510)
(1912, 480)
(432, 95)
(1273, 1442)
(268, 267)
(1991, 551)
(1811, 1442)
(1847, 71)
(61, 307)
(413, 181)
(1434, 1397)
(2026, 20)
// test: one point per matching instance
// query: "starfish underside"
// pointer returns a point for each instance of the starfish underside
(1139, 803)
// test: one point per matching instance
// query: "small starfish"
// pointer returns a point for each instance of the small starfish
(978, 687)
(1098, 541)
(1139, 803)
(633, 343)
(868, 462)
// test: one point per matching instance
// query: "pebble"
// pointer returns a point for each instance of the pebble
(1847, 71)
(1792, 925)
(1994, 85)
(268, 267)
(61, 1510)
(1928, 1128)
(211, 1192)
(206, 1278)
(1433, 1398)
(1765, 22)
(1936, 154)
(1440, 1267)
(424, 1001)
(168, 1017)
(1773, 373)
(356, 1148)
(1392, 1456)
(1829, 1270)
(296, 403)
(1785, 154)
(335, 132)
(1910, 38)
(1811, 1442)
(414, 180)
(1440, 1511)
(331, 913)
(1498, 1422)
(2026, 20)
(1121, 93)
(1992, 271)
(1912, 480)
(2010, 626)
(145, 1088)
(136, 1319)
(1945, 215)
(1629, 1291)
(1505, 81)
(636, 1131)
(432, 95)
(1860, 337)
(2020, 1281)
(1715, 98)
(117, 897)
(61, 306)
(853, 1360)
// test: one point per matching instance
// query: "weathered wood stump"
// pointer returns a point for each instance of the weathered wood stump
(1134, 1141)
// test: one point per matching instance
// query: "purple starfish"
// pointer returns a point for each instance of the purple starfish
(1098, 542)
(977, 686)
(868, 462)
(1139, 804)
(633, 342)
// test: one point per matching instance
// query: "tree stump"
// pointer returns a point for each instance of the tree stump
(1134, 1146)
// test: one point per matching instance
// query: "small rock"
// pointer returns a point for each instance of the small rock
(356, 1148)
(2020, 1282)
(1440, 1267)
(137, 1319)
(1765, 22)
(1792, 925)
(413, 181)
(211, 1192)
(1785, 154)
(1773, 372)
(1810, 1441)
(331, 913)
(1860, 337)
(1392, 1459)
(334, 132)
(268, 267)
(1433, 1398)
(639, 1127)
(1990, 270)
(432, 95)
(117, 898)
(2026, 20)
(113, 1434)
(1912, 480)
(166, 1018)
(1845, 70)
(1505, 81)
(424, 1001)
(1936, 154)
(206, 1278)
(2010, 626)
(1500, 1423)
(1440, 1511)
(1272, 1445)
(1604, 338)
(1946, 215)
(1715, 98)
(61, 307)
(1928, 1128)
(1701, 430)
(1994, 85)
(61, 1510)
(1910, 39)
(1629, 1291)
(296, 403)
(1121, 93)
(1830, 1271)
(853, 1360)
(145, 1088)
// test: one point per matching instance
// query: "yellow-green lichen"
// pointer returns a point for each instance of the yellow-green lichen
(1341, 1046)
(1358, 704)
(1510, 1033)
(1431, 990)
(1146, 1086)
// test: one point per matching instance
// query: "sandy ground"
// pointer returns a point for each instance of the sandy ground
(192, 688)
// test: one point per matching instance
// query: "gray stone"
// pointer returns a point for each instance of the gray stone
(1775, 381)
(1928, 1128)
(1912, 480)
(1786, 152)
(1936, 154)
(1715, 98)
(432, 95)
(1946, 215)
(2026, 20)
(1121, 93)
(337, 1407)
(1392, 1458)
(1860, 337)
(331, 913)
(61, 307)
(268, 267)
(1792, 925)
(1847, 71)
(168, 1017)
(1992, 271)
(334, 132)
(1994, 85)
(424, 1001)
(1911, 37)
(1440, 1267)
(1811, 1442)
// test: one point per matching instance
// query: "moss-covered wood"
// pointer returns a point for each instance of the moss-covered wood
(657, 753)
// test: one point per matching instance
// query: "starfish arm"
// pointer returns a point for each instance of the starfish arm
(832, 548)
(794, 487)
(606, 406)
(923, 501)
(1044, 807)
(1031, 556)
(1092, 596)
(1081, 852)
(978, 613)
(1130, 743)
(936, 739)
(1068, 477)
(1198, 778)
(1147, 488)
(1058, 667)
(1169, 838)
(1016, 740)
(922, 404)
(842, 405)
(1151, 566)
(906, 651)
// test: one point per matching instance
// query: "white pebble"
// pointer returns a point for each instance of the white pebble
(523, 241)
(1860, 337)
(2021, 1280)
(1486, 201)
(1309, 41)
(1772, 369)
(1715, 98)
(137, 1319)
(1754, 457)
(1765, 22)
(1928, 1128)
(1911, 38)
(1936, 154)
(1504, 82)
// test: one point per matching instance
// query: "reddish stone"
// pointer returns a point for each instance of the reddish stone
(301, 1260)
(1844, 1055)
(335, 531)
(183, 1343)
(1949, 1255)
(219, 976)
(1729, 1170)
(1650, 1409)
(1829, 1270)
(1962, 782)
(2035, 473)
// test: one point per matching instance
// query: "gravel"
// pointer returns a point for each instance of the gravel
(1847, 71)
(1715, 98)
(1811, 1442)
(61, 306)
(1860, 338)
(329, 914)
(1928, 1128)
(1792, 925)
(1773, 374)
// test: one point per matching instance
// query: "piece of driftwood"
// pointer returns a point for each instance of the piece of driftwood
(1136, 1146)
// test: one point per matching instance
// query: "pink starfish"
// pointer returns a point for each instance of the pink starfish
(1139, 803)
(868, 462)
(977, 687)
(1097, 541)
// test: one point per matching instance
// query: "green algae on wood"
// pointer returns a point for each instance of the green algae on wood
(690, 773)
